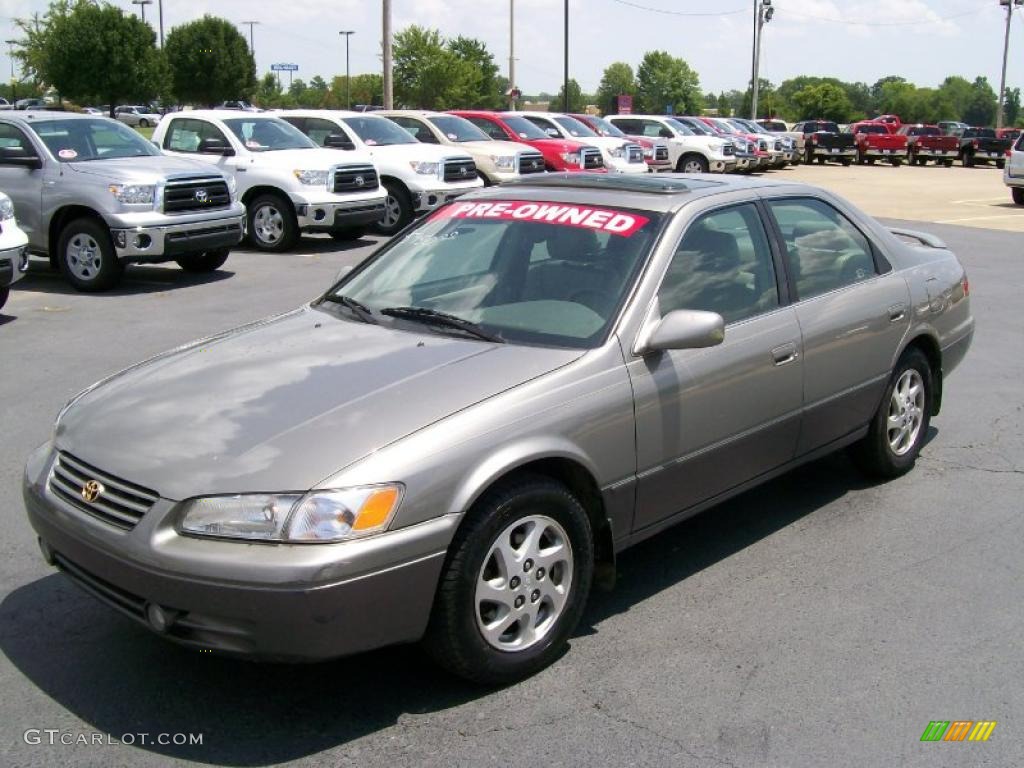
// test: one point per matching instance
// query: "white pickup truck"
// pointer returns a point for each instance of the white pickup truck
(287, 182)
(620, 155)
(13, 249)
(689, 152)
(417, 177)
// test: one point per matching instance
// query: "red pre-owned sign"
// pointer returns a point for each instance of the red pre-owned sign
(600, 219)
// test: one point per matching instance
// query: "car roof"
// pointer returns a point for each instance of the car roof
(410, 112)
(222, 114)
(326, 113)
(27, 115)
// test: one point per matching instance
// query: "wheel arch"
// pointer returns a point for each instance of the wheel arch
(928, 345)
(265, 189)
(61, 218)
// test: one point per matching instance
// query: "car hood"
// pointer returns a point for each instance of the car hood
(417, 152)
(319, 158)
(149, 169)
(282, 404)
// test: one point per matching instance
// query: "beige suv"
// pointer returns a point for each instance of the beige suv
(496, 161)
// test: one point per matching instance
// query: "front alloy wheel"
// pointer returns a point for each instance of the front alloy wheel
(86, 256)
(272, 225)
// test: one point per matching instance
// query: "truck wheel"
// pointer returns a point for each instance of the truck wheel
(896, 162)
(847, 162)
(1000, 164)
(86, 256)
(208, 261)
(948, 163)
(4, 293)
(968, 160)
(347, 234)
(1018, 195)
(143, 123)
(860, 158)
(514, 583)
(272, 226)
(820, 159)
(397, 210)
(808, 155)
(692, 164)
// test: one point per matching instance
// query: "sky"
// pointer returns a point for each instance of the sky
(922, 40)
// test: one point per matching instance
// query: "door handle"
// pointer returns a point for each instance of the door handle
(785, 353)
(897, 312)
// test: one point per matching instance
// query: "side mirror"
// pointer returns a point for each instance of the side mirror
(19, 156)
(685, 329)
(665, 133)
(214, 146)
(337, 141)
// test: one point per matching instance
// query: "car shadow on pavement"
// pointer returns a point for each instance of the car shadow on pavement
(121, 679)
(137, 279)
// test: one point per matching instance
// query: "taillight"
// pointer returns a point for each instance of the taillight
(975, 143)
(814, 138)
(966, 285)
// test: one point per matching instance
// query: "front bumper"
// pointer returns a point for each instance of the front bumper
(722, 164)
(138, 240)
(315, 216)
(13, 265)
(426, 200)
(284, 602)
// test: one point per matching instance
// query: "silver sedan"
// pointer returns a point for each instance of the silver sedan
(454, 441)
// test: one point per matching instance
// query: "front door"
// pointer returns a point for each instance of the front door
(23, 185)
(710, 419)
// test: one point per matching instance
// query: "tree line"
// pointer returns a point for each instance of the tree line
(94, 53)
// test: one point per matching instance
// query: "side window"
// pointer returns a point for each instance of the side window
(545, 125)
(723, 264)
(652, 129)
(319, 129)
(826, 252)
(417, 129)
(13, 138)
(184, 134)
(491, 129)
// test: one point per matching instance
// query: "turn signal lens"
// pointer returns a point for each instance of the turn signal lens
(376, 509)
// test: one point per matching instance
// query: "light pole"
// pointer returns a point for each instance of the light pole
(763, 12)
(142, 7)
(348, 74)
(10, 55)
(252, 48)
(1010, 5)
(565, 78)
(160, 8)
(389, 91)
(512, 54)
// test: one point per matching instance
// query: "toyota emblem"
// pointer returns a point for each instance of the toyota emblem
(359, 181)
(202, 196)
(92, 490)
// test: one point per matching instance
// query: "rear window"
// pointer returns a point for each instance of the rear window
(523, 128)
(872, 129)
(821, 126)
(923, 130)
(983, 133)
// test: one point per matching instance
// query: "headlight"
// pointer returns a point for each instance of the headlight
(571, 158)
(424, 169)
(312, 178)
(6, 208)
(504, 162)
(133, 194)
(319, 516)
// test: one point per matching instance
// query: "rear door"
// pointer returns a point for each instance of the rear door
(853, 311)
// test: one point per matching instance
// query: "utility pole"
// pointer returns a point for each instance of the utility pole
(565, 79)
(1010, 5)
(10, 55)
(348, 73)
(252, 48)
(763, 12)
(512, 54)
(160, 7)
(142, 6)
(389, 92)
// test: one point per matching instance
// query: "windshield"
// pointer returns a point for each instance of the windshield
(91, 139)
(458, 128)
(268, 134)
(604, 128)
(528, 272)
(575, 128)
(871, 129)
(690, 127)
(379, 131)
(523, 128)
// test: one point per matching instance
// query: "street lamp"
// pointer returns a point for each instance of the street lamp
(1006, 48)
(763, 12)
(252, 48)
(348, 76)
(142, 7)
(10, 55)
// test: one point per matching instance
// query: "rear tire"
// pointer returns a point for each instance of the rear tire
(272, 226)
(1018, 195)
(143, 123)
(86, 256)
(502, 550)
(948, 163)
(900, 424)
(1000, 164)
(896, 162)
(207, 261)
(847, 162)
(968, 160)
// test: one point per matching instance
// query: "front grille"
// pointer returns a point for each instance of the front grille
(196, 195)
(729, 149)
(763, 145)
(661, 153)
(355, 178)
(590, 159)
(460, 169)
(532, 162)
(634, 153)
(121, 504)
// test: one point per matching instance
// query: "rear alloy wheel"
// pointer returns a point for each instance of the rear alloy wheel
(86, 256)
(208, 261)
(515, 583)
(272, 226)
(898, 428)
(397, 210)
(1018, 195)
(692, 164)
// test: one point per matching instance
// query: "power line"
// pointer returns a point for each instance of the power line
(679, 13)
(908, 23)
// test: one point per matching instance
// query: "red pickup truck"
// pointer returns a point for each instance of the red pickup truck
(875, 142)
(891, 122)
(559, 154)
(928, 142)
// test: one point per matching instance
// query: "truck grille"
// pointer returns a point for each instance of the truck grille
(729, 149)
(196, 195)
(355, 178)
(661, 153)
(590, 159)
(119, 503)
(460, 169)
(763, 145)
(634, 153)
(531, 163)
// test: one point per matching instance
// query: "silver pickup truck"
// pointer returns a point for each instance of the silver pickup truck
(93, 195)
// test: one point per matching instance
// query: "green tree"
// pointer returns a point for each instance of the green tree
(210, 62)
(666, 82)
(982, 106)
(577, 99)
(957, 90)
(724, 104)
(318, 84)
(431, 72)
(93, 53)
(484, 88)
(1011, 105)
(826, 100)
(618, 80)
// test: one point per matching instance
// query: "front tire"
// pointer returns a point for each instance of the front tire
(692, 164)
(899, 426)
(397, 210)
(514, 584)
(207, 261)
(272, 226)
(86, 256)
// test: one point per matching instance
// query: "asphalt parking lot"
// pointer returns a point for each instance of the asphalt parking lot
(817, 621)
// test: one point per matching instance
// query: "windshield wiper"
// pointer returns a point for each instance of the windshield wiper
(424, 315)
(360, 310)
